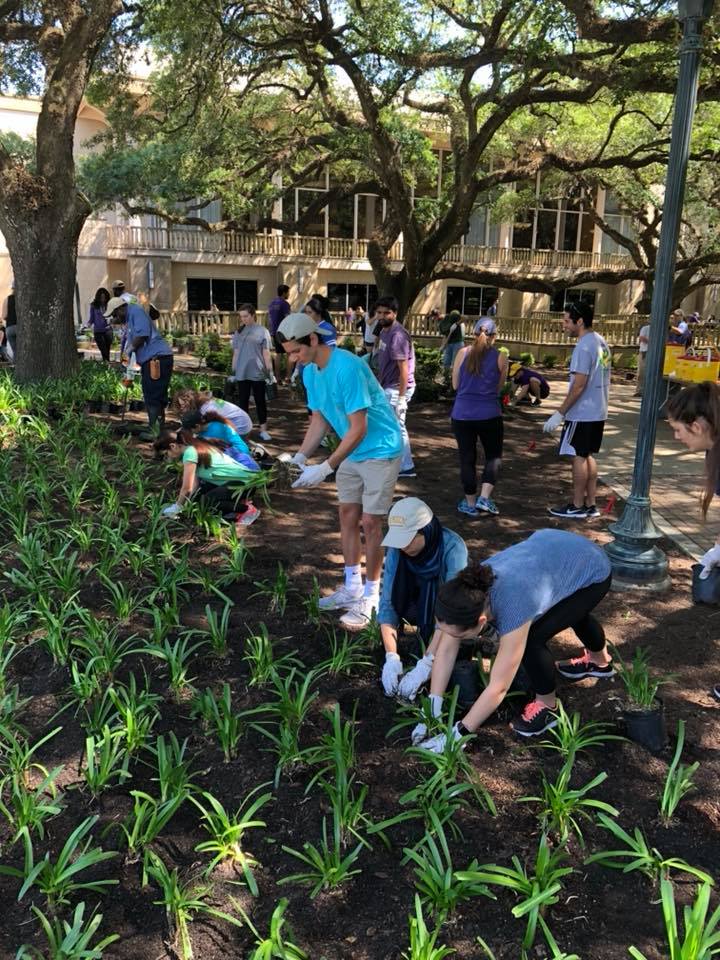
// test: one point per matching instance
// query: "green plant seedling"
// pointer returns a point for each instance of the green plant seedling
(276, 590)
(106, 761)
(537, 889)
(277, 945)
(219, 717)
(640, 685)
(346, 654)
(218, 629)
(174, 776)
(561, 806)
(311, 604)
(260, 657)
(679, 780)
(17, 755)
(701, 934)
(147, 820)
(327, 868)
(27, 808)
(58, 880)
(137, 709)
(69, 941)
(182, 902)
(422, 942)
(635, 854)
(335, 753)
(438, 885)
(570, 736)
(177, 656)
(234, 566)
(57, 625)
(123, 601)
(227, 830)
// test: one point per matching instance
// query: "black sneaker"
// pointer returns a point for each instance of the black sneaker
(592, 513)
(580, 667)
(407, 474)
(534, 720)
(537, 403)
(569, 511)
(715, 692)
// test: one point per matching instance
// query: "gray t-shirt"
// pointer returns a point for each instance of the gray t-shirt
(535, 574)
(592, 357)
(250, 342)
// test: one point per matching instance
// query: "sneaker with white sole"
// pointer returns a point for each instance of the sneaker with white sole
(486, 505)
(359, 615)
(592, 513)
(466, 508)
(249, 517)
(341, 599)
(534, 720)
(569, 512)
(580, 667)
(265, 436)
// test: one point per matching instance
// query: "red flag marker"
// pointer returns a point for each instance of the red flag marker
(610, 505)
(531, 445)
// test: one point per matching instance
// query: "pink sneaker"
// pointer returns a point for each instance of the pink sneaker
(250, 516)
(534, 720)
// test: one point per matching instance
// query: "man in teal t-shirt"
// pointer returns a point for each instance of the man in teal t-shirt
(343, 394)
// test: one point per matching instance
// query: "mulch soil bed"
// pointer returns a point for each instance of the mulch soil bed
(600, 912)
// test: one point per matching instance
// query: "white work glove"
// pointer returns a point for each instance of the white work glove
(709, 560)
(437, 744)
(312, 476)
(420, 731)
(415, 678)
(172, 511)
(418, 734)
(270, 377)
(391, 673)
(553, 422)
(299, 458)
(230, 380)
(401, 405)
(295, 375)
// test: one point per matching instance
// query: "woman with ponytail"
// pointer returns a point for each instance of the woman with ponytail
(478, 376)
(694, 416)
(530, 592)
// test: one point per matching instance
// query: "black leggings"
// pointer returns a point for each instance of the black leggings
(220, 498)
(575, 613)
(104, 339)
(257, 388)
(490, 434)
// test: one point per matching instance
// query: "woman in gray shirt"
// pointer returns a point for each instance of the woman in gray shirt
(252, 364)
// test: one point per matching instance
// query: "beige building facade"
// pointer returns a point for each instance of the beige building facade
(187, 269)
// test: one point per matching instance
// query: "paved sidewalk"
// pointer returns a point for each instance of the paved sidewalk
(677, 478)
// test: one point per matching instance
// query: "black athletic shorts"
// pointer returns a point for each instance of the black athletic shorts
(585, 436)
(279, 348)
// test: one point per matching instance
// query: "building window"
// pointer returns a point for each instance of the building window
(561, 301)
(554, 223)
(471, 301)
(227, 294)
(318, 225)
(345, 296)
(482, 232)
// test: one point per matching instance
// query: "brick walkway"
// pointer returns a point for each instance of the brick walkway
(677, 475)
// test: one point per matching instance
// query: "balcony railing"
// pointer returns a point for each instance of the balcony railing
(288, 245)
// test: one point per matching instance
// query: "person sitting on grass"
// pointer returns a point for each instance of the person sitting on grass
(187, 402)
(531, 591)
(694, 416)
(532, 387)
(420, 555)
(210, 472)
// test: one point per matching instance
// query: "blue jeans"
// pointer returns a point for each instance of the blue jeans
(449, 354)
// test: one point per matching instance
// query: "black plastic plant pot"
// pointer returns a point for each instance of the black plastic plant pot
(646, 726)
(104, 407)
(465, 677)
(114, 408)
(93, 406)
(137, 405)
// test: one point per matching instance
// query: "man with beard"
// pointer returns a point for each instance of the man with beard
(396, 371)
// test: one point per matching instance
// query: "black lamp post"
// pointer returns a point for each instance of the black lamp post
(636, 559)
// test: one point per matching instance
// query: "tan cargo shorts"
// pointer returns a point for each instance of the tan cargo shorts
(370, 482)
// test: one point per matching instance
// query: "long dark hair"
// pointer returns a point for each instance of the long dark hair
(205, 446)
(476, 354)
(100, 292)
(462, 600)
(689, 405)
(212, 417)
(320, 304)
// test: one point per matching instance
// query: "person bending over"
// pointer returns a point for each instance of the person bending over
(211, 426)
(694, 416)
(531, 386)
(210, 472)
(420, 555)
(530, 592)
(187, 402)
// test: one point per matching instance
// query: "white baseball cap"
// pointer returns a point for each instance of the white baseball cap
(297, 325)
(112, 306)
(406, 517)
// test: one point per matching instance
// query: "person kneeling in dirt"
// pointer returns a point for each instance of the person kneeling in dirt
(188, 402)
(532, 387)
(210, 472)
(420, 556)
(530, 592)
(211, 426)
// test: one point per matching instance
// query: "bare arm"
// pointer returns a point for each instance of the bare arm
(503, 369)
(502, 674)
(353, 438)
(189, 481)
(402, 382)
(456, 366)
(578, 385)
(267, 360)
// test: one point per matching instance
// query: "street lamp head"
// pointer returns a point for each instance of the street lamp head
(695, 9)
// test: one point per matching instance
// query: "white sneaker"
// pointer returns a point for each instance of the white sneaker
(360, 613)
(264, 435)
(341, 599)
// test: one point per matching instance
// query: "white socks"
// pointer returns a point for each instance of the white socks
(372, 588)
(353, 579)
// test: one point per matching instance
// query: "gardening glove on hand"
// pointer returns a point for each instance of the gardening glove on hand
(709, 560)
(391, 673)
(299, 458)
(172, 511)
(437, 744)
(420, 731)
(415, 678)
(230, 380)
(312, 476)
(552, 423)
(401, 405)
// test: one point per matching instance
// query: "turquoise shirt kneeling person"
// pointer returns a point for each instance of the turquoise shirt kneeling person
(421, 555)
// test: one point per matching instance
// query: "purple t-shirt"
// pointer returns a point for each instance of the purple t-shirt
(395, 344)
(477, 393)
(278, 309)
(524, 375)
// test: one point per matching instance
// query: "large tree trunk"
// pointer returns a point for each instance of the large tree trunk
(44, 263)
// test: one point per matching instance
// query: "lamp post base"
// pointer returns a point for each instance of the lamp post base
(637, 562)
